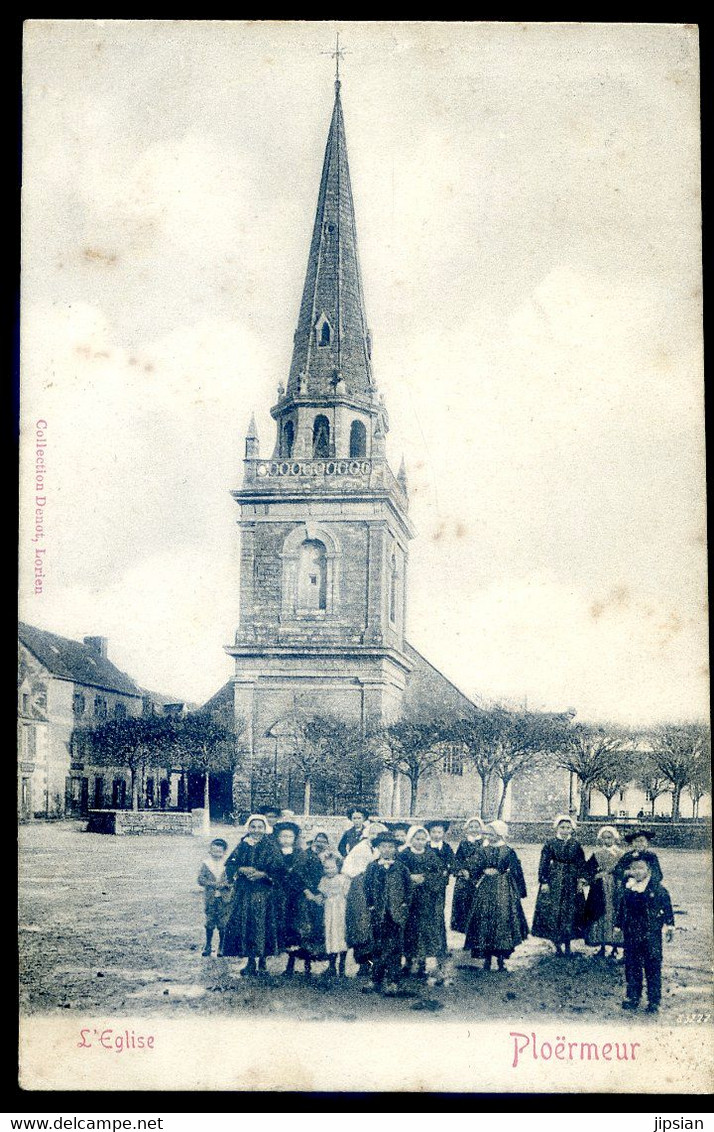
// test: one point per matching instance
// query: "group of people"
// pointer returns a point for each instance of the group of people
(382, 894)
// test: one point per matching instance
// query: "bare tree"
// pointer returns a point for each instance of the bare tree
(613, 779)
(523, 741)
(476, 735)
(413, 748)
(650, 778)
(591, 753)
(680, 752)
(203, 744)
(135, 743)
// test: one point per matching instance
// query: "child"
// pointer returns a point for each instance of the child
(644, 910)
(604, 895)
(289, 890)
(466, 860)
(496, 924)
(217, 893)
(639, 842)
(425, 929)
(334, 887)
(358, 932)
(387, 889)
(560, 903)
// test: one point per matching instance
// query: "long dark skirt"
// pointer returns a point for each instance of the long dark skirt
(252, 928)
(461, 903)
(425, 931)
(496, 923)
(559, 912)
(358, 923)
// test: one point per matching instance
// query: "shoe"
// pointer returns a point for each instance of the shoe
(628, 1004)
(369, 988)
(206, 952)
(652, 1008)
(249, 972)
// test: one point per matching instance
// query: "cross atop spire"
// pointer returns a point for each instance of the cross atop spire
(337, 54)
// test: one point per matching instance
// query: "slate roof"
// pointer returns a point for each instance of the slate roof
(73, 660)
(429, 690)
(333, 285)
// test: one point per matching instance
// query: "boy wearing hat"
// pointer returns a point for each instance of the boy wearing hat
(645, 909)
(639, 841)
(217, 893)
(387, 889)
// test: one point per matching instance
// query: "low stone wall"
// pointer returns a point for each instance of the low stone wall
(670, 835)
(123, 823)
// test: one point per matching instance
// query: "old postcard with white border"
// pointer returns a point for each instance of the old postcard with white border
(363, 676)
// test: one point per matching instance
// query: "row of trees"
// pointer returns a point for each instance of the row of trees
(336, 758)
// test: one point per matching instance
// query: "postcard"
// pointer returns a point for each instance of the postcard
(363, 734)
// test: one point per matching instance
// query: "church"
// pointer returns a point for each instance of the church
(325, 531)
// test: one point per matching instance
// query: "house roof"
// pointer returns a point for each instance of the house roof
(73, 660)
(428, 688)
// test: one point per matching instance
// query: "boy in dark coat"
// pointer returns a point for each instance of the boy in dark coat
(387, 888)
(639, 842)
(645, 909)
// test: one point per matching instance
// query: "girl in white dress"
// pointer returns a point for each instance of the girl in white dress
(333, 888)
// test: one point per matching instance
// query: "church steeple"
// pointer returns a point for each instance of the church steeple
(331, 354)
(330, 406)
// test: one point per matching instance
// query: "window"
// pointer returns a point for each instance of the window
(453, 761)
(321, 438)
(120, 711)
(358, 440)
(323, 331)
(287, 439)
(100, 707)
(393, 588)
(79, 704)
(312, 576)
(25, 702)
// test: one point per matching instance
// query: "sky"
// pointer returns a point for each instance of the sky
(528, 219)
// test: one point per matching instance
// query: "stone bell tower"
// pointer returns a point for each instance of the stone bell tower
(324, 521)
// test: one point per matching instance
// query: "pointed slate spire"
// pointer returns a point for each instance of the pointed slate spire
(331, 354)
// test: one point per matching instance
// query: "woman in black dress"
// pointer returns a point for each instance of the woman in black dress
(254, 868)
(560, 905)
(468, 855)
(425, 930)
(496, 923)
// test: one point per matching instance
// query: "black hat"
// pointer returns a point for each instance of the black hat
(280, 825)
(221, 842)
(436, 821)
(384, 838)
(395, 825)
(630, 837)
(269, 808)
(357, 809)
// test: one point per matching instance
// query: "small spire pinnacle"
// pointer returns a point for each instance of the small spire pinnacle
(402, 476)
(252, 444)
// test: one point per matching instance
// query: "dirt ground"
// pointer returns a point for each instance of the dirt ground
(115, 925)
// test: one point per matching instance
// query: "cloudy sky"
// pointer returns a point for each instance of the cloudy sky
(528, 218)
